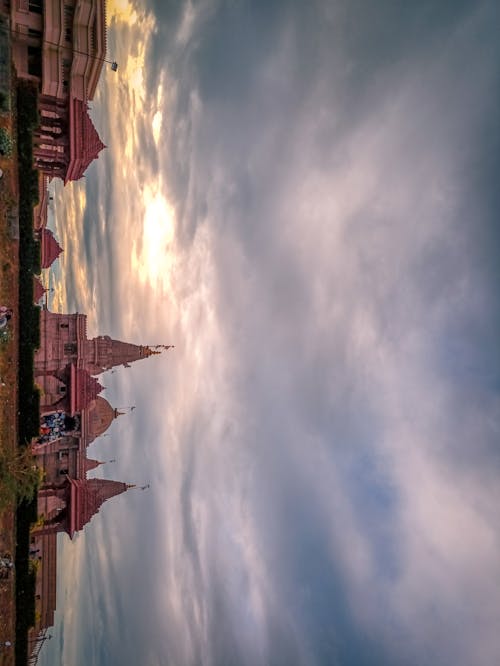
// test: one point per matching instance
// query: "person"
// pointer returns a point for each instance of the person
(5, 315)
(6, 563)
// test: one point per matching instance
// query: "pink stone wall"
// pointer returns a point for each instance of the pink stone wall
(58, 341)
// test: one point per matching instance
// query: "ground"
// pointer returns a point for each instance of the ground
(9, 274)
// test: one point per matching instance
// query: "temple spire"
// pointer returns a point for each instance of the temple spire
(103, 353)
(85, 498)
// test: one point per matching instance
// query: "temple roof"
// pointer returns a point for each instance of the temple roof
(84, 389)
(50, 247)
(86, 498)
(85, 143)
(38, 290)
(90, 463)
(105, 353)
(101, 415)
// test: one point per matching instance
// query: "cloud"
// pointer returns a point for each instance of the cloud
(322, 443)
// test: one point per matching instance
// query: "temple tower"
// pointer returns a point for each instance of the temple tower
(63, 341)
(69, 506)
(103, 353)
(85, 498)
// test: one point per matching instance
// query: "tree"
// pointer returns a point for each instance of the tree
(19, 476)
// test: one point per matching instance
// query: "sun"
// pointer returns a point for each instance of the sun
(158, 233)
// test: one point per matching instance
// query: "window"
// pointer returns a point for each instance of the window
(70, 348)
(35, 34)
(63, 472)
(68, 22)
(62, 389)
(35, 61)
(64, 325)
(94, 34)
(36, 6)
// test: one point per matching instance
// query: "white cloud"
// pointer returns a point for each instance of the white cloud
(310, 268)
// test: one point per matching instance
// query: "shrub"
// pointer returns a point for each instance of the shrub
(4, 337)
(5, 143)
(4, 101)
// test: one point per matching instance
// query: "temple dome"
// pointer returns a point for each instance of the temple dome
(101, 416)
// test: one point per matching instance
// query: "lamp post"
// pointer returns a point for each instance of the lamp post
(18, 33)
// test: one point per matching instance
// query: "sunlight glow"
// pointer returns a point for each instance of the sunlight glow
(121, 10)
(153, 260)
(156, 126)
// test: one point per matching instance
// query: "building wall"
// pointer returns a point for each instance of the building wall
(26, 19)
(44, 550)
(49, 573)
(40, 210)
(69, 40)
(57, 48)
(53, 393)
(60, 336)
(59, 458)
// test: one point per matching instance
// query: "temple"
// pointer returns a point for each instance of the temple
(61, 47)
(64, 342)
(76, 502)
(73, 415)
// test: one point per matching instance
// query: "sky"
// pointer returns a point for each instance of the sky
(303, 198)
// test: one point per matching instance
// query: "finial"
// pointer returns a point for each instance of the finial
(118, 410)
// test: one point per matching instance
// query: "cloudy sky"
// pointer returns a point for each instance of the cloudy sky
(302, 197)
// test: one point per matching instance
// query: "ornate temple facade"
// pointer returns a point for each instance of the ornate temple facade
(73, 415)
(61, 46)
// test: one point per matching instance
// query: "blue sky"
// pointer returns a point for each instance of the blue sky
(301, 197)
